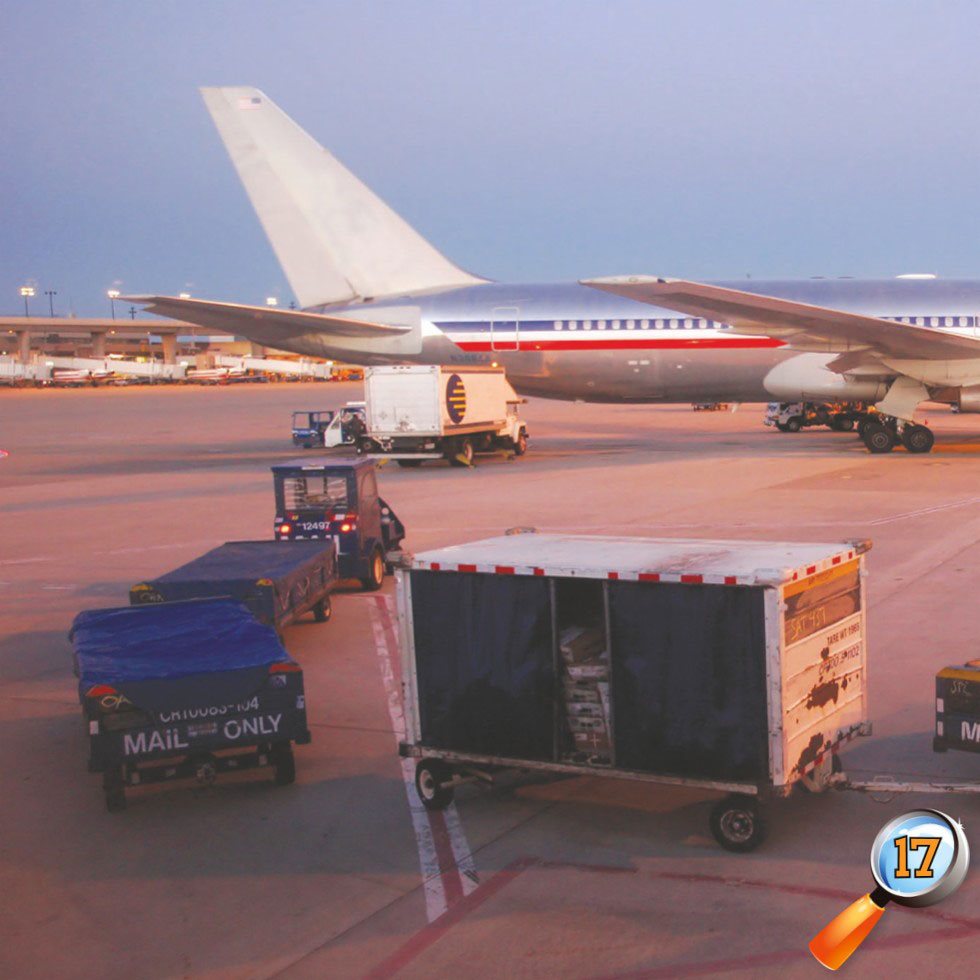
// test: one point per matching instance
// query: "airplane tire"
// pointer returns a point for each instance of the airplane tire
(878, 438)
(917, 438)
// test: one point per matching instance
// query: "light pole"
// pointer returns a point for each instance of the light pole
(132, 313)
(113, 295)
(51, 293)
(27, 292)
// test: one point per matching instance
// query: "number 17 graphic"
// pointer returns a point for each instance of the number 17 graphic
(905, 844)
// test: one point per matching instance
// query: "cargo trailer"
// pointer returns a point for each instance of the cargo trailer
(185, 690)
(278, 582)
(737, 666)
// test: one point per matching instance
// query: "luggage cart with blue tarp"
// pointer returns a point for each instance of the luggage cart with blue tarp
(737, 666)
(185, 689)
(278, 583)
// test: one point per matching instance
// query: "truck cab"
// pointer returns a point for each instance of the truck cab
(338, 499)
(342, 431)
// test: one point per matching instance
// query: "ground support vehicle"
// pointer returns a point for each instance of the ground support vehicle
(345, 426)
(420, 412)
(185, 689)
(308, 428)
(278, 584)
(736, 666)
(794, 416)
(337, 500)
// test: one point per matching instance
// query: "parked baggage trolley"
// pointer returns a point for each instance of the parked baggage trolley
(737, 666)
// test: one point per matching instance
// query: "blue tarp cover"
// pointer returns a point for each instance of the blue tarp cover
(169, 641)
(246, 561)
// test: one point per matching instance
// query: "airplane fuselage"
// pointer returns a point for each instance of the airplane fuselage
(571, 341)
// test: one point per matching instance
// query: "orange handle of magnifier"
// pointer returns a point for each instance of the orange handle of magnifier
(842, 935)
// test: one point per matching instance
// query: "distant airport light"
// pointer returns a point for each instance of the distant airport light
(27, 292)
(185, 296)
(271, 301)
(917, 275)
(113, 295)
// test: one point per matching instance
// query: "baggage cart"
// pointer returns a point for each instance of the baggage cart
(279, 583)
(737, 666)
(185, 689)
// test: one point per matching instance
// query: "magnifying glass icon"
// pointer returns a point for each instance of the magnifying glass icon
(917, 859)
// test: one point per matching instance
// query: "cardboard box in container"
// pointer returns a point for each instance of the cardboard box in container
(581, 645)
(580, 692)
(585, 709)
(594, 743)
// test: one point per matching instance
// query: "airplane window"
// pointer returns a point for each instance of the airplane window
(573, 324)
(672, 323)
(644, 324)
(935, 321)
(586, 324)
(559, 325)
(630, 324)
(615, 324)
(601, 324)
(949, 321)
(963, 321)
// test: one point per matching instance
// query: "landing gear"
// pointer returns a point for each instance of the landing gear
(884, 436)
(877, 437)
(917, 438)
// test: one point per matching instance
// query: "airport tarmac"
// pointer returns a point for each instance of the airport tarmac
(574, 878)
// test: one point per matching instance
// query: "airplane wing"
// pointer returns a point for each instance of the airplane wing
(802, 326)
(266, 322)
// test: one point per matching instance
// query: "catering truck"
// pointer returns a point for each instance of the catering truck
(734, 666)
(419, 412)
(185, 690)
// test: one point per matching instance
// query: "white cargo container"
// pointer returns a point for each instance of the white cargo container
(417, 412)
(737, 666)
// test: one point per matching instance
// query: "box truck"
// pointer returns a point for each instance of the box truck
(419, 412)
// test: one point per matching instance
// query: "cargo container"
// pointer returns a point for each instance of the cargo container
(958, 708)
(737, 666)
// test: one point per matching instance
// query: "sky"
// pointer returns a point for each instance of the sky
(528, 141)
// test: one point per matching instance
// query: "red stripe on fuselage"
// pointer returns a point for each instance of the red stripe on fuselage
(727, 343)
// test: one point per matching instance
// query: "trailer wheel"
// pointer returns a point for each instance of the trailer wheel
(114, 788)
(737, 824)
(431, 775)
(376, 572)
(323, 610)
(283, 763)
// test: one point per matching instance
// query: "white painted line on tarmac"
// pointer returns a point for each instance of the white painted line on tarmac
(445, 858)
(924, 511)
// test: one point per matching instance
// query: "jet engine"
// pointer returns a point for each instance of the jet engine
(806, 377)
(968, 398)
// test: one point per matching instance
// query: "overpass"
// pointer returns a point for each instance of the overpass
(20, 330)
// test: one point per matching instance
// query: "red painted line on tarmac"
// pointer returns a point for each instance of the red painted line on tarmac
(958, 928)
(434, 931)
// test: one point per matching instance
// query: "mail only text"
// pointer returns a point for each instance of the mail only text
(172, 740)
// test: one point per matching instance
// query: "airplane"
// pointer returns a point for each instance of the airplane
(372, 290)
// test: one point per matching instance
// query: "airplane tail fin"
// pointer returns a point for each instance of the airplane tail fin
(335, 240)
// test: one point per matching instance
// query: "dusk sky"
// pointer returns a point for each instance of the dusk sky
(528, 141)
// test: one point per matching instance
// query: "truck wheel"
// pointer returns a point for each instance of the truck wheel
(431, 775)
(520, 446)
(462, 453)
(793, 424)
(376, 572)
(409, 463)
(323, 610)
(114, 789)
(737, 824)
(283, 763)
